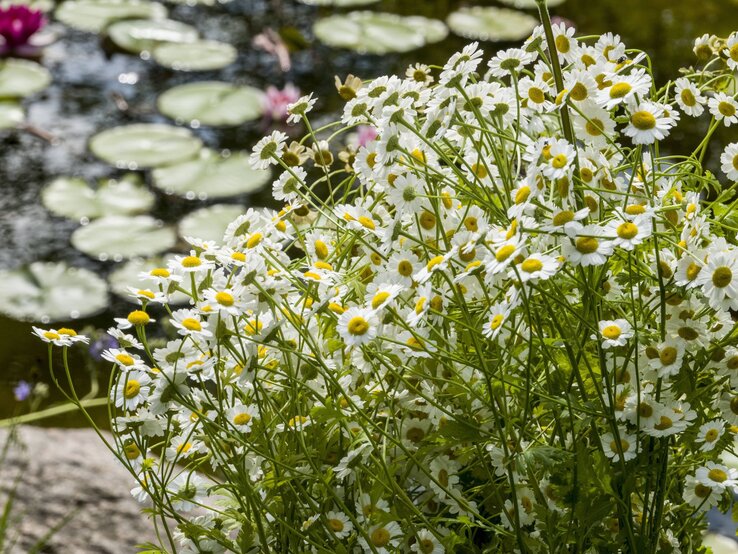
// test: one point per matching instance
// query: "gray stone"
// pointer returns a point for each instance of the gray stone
(69, 473)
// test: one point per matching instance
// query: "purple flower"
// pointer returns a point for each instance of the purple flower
(276, 101)
(22, 391)
(105, 342)
(17, 25)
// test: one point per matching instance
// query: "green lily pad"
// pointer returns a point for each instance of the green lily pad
(378, 33)
(116, 237)
(20, 78)
(145, 145)
(338, 3)
(530, 4)
(143, 35)
(129, 275)
(73, 198)
(212, 103)
(11, 115)
(209, 223)
(95, 15)
(47, 292)
(202, 55)
(211, 176)
(493, 24)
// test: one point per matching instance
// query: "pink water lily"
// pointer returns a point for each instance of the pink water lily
(276, 101)
(17, 25)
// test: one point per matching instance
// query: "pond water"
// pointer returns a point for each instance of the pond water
(93, 90)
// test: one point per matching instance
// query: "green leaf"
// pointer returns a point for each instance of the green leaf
(118, 237)
(143, 35)
(95, 15)
(145, 145)
(11, 115)
(212, 103)
(493, 24)
(21, 78)
(209, 223)
(202, 55)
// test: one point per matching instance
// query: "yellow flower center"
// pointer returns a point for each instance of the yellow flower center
(643, 120)
(612, 332)
(51, 335)
(480, 171)
(132, 388)
(587, 245)
(693, 271)
(701, 491)
(366, 222)
(138, 317)
(224, 299)
(472, 224)
(380, 537)
(619, 90)
(253, 327)
(727, 109)
(522, 194)
(496, 321)
(358, 326)
(426, 546)
(688, 98)
(563, 218)
(238, 256)
(125, 359)
(427, 220)
(578, 92)
(668, 355)
(559, 161)
(563, 44)
(241, 419)
(717, 475)
(191, 324)
(595, 127)
(433, 262)
(733, 52)
(531, 265)
(735, 162)
(160, 272)
(190, 261)
(380, 299)
(624, 445)
(321, 249)
(405, 268)
(336, 525)
(711, 435)
(504, 252)
(634, 209)
(627, 230)
(536, 95)
(722, 276)
(254, 240)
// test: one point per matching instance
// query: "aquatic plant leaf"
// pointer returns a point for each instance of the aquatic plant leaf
(530, 4)
(338, 3)
(47, 292)
(11, 115)
(74, 198)
(211, 176)
(212, 103)
(209, 223)
(202, 55)
(143, 35)
(95, 15)
(20, 78)
(378, 33)
(145, 145)
(493, 24)
(116, 237)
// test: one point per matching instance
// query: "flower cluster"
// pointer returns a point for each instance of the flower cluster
(503, 324)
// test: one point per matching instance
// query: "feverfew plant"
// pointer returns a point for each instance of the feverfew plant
(502, 326)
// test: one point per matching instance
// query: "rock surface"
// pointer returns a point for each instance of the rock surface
(69, 473)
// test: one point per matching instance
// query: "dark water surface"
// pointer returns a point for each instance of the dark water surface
(86, 82)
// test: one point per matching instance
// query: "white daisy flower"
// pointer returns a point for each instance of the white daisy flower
(717, 476)
(188, 323)
(627, 444)
(648, 122)
(709, 434)
(731, 51)
(724, 108)
(614, 333)
(357, 326)
(629, 234)
(299, 108)
(719, 281)
(534, 267)
(729, 161)
(624, 88)
(700, 496)
(339, 524)
(132, 390)
(688, 97)
(588, 247)
(268, 150)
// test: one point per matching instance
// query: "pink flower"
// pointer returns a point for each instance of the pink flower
(276, 101)
(365, 134)
(17, 25)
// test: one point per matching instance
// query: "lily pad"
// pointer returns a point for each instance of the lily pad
(145, 145)
(493, 24)
(202, 55)
(73, 198)
(95, 15)
(143, 35)
(211, 176)
(209, 223)
(212, 103)
(530, 4)
(378, 33)
(338, 3)
(20, 78)
(11, 115)
(116, 237)
(129, 275)
(47, 292)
